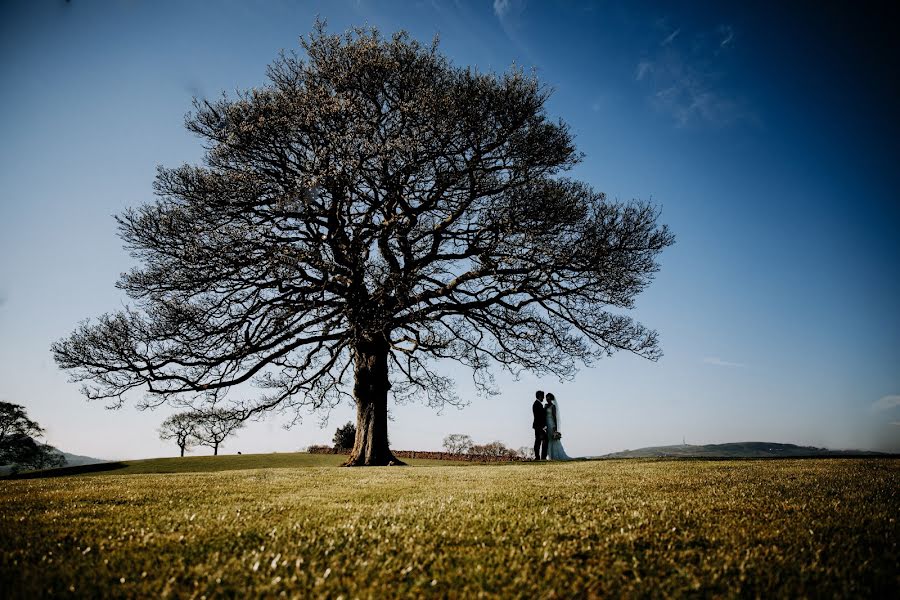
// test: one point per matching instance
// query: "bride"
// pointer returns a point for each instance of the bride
(555, 450)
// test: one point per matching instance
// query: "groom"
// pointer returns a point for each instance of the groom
(540, 426)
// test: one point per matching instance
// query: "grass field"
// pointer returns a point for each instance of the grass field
(783, 528)
(209, 464)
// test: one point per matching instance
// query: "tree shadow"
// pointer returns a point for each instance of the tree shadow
(67, 471)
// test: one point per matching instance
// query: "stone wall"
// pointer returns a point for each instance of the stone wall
(424, 454)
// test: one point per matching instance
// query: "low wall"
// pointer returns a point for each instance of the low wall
(425, 454)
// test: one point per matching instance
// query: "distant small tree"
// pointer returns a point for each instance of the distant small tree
(18, 444)
(458, 443)
(345, 436)
(525, 452)
(182, 428)
(492, 449)
(213, 426)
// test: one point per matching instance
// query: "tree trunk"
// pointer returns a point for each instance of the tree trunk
(182, 451)
(216, 449)
(370, 390)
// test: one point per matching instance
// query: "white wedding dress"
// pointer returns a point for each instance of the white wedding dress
(555, 450)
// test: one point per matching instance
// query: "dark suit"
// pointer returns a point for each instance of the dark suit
(540, 432)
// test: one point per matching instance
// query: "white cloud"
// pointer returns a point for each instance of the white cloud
(670, 38)
(727, 34)
(509, 10)
(643, 67)
(887, 402)
(509, 15)
(715, 360)
(683, 74)
(689, 98)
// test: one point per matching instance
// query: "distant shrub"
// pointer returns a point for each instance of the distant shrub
(320, 449)
(345, 436)
(492, 449)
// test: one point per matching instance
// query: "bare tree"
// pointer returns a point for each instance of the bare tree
(370, 211)
(458, 443)
(180, 427)
(211, 427)
(494, 448)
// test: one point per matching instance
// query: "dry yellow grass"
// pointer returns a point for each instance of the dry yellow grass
(638, 528)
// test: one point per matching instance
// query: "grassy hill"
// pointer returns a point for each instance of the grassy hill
(74, 460)
(210, 464)
(739, 450)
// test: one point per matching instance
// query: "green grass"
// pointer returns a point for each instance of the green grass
(784, 528)
(209, 464)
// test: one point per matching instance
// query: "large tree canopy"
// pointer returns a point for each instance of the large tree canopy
(369, 210)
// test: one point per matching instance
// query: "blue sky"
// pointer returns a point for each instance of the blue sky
(767, 136)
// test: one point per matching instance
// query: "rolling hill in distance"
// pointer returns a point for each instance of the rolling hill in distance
(739, 450)
(76, 464)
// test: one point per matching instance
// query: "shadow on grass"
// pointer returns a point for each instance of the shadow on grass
(67, 471)
(209, 464)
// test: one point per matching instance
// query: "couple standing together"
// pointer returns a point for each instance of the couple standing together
(547, 436)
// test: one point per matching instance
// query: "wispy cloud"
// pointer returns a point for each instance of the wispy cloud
(508, 9)
(886, 402)
(501, 8)
(642, 69)
(509, 14)
(715, 360)
(726, 34)
(683, 76)
(670, 38)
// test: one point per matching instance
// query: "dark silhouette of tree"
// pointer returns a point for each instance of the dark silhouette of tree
(14, 421)
(18, 441)
(371, 210)
(458, 443)
(211, 427)
(22, 451)
(180, 427)
(45, 456)
(345, 437)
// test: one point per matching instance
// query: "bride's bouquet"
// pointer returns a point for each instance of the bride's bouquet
(557, 435)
